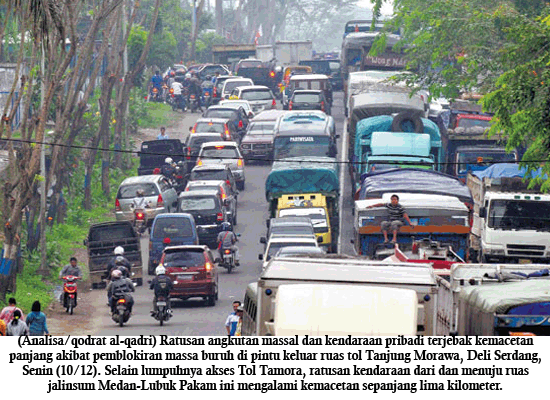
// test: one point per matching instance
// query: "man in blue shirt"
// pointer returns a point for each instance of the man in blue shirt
(232, 319)
(162, 135)
(156, 80)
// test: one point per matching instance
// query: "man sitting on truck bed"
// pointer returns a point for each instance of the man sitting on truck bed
(396, 213)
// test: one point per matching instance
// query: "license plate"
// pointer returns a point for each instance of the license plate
(524, 261)
(161, 303)
(185, 277)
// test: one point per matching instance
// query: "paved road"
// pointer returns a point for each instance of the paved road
(193, 317)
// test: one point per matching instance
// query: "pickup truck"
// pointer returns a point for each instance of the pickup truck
(101, 242)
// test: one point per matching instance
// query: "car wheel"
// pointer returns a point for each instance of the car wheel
(139, 281)
(211, 301)
(240, 185)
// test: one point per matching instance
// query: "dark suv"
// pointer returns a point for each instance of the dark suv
(193, 272)
(209, 212)
(154, 152)
(193, 146)
(236, 116)
(215, 125)
(309, 100)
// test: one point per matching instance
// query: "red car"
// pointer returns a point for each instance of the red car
(193, 272)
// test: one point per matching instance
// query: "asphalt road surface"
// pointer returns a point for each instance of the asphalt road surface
(193, 317)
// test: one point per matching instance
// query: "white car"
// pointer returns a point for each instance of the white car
(239, 103)
(277, 242)
(260, 97)
(226, 153)
(233, 83)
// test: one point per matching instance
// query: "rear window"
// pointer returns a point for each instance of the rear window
(221, 151)
(196, 143)
(311, 85)
(202, 187)
(296, 229)
(209, 175)
(173, 227)
(111, 232)
(184, 259)
(307, 98)
(161, 146)
(208, 127)
(250, 64)
(229, 86)
(129, 191)
(226, 114)
(198, 203)
(260, 94)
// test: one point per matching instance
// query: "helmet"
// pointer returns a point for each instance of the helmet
(168, 160)
(208, 77)
(188, 75)
(139, 193)
(226, 226)
(172, 73)
(160, 270)
(116, 274)
(119, 250)
(119, 260)
(278, 69)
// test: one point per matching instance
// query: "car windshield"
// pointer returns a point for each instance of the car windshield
(219, 152)
(260, 94)
(468, 161)
(519, 214)
(218, 113)
(275, 247)
(473, 123)
(129, 191)
(261, 128)
(197, 203)
(300, 146)
(209, 175)
(207, 127)
(229, 86)
(184, 259)
(306, 98)
(172, 227)
(318, 217)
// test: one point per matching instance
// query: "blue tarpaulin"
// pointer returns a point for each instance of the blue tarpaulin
(506, 170)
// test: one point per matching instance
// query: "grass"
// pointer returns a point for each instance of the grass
(157, 115)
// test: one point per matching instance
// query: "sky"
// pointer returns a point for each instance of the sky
(387, 8)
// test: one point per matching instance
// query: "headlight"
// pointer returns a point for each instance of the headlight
(246, 146)
(495, 251)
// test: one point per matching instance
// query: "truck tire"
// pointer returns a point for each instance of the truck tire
(407, 118)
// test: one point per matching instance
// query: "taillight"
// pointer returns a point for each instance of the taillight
(117, 205)
(227, 251)
(227, 134)
(208, 267)
(160, 201)
(171, 91)
(323, 106)
(272, 74)
(240, 162)
(223, 194)
(179, 177)
(199, 162)
(215, 91)
(121, 301)
(140, 216)
(219, 217)
(192, 96)
(273, 104)
(227, 181)
(241, 123)
(150, 246)
(188, 153)
(166, 240)
(290, 105)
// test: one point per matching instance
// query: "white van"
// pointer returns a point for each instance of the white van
(339, 310)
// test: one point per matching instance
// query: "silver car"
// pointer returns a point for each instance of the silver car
(159, 193)
(226, 153)
(260, 97)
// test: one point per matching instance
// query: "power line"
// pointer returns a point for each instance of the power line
(289, 160)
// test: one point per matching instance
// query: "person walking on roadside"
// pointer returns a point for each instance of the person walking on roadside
(17, 327)
(7, 312)
(36, 321)
(162, 135)
(238, 330)
(232, 319)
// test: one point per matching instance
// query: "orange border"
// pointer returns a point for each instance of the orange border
(368, 230)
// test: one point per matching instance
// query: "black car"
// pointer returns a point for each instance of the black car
(209, 212)
(154, 152)
(236, 116)
(193, 146)
(309, 100)
(214, 172)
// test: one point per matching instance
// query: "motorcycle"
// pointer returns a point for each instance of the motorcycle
(140, 220)
(207, 94)
(69, 293)
(193, 103)
(163, 312)
(121, 310)
(228, 260)
(155, 95)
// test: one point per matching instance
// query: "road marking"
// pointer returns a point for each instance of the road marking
(343, 158)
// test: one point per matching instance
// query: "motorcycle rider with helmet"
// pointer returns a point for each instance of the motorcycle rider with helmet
(195, 88)
(207, 86)
(117, 260)
(177, 89)
(162, 285)
(226, 240)
(120, 287)
(168, 169)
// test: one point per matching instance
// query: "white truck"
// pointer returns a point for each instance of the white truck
(465, 278)
(291, 52)
(337, 310)
(265, 52)
(345, 270)
(511, 224)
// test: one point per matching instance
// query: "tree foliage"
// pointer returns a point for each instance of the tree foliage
(501, 50)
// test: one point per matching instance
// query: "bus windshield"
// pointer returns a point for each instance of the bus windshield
(299, 146)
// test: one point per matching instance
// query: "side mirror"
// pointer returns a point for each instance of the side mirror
(482, 212)
(352, 241)
(85, 242)
(336, 136)
(267, 221)
(319, 239)
(250, 115)
(263, 240)
(226, 202)
(260, 257)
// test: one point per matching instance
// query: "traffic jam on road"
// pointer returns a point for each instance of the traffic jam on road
(319, 181)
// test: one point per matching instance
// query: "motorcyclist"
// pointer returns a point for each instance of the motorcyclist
(71, 269)
(156, 82)
(177, 89)
(207, 86)
(171, 78)
(113, 264)
(226, 240)
(196, 89)
(139, 201)
(162, 285)
(120, 287)
(168, 169)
